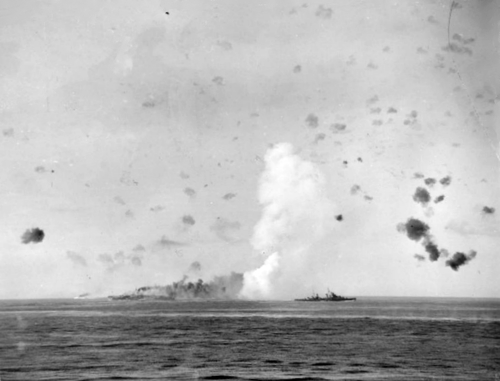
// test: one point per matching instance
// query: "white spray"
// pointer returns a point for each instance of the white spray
(296, 214)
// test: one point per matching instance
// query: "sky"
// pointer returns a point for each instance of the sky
(286, 141)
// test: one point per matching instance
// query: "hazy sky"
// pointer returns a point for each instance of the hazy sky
(140, 142)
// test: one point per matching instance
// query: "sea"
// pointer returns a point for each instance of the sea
(367, 339)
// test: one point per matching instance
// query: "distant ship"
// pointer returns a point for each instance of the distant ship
(329, 297)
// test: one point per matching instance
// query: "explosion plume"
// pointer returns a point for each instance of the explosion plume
(296, 214)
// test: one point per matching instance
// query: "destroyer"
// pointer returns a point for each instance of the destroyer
(329, 297)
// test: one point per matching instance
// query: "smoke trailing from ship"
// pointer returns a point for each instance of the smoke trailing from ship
(220, 287)
(296, 213)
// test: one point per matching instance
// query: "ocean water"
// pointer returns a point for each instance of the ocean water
(369, 339)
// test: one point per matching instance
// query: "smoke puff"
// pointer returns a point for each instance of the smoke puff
(229, 196)
(35, 235)
(119, 200)
(188, 220)
(438, 199)
(190, 192)
(445, 181)
(194, 267)
(339, 217)
(136, 261)
(419, 257)
(422, 196)
(139, 248)
(430, 181)
(164, 241)
(119, 259)
(157, 208)
(355, 189)
(414, 228)
(432, 249)
(76, 258)
(444, 253)
(312, 121)
(460, 259)
(488, 210)
(418, 175)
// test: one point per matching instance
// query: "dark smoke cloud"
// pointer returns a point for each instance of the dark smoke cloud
(339, 217)
(419, 257)
(432, 249)
(430, 181)
(221, 287)
(445, 181)
(34, 235)
(76, 258)
(229, 196)
(188, 220)
(422, 196)
(438, 199)
(414, 229)
(488, 210)
(460, 259)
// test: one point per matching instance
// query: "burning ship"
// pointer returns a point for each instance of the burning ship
(329, 297)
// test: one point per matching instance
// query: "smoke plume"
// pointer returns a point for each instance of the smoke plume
(221, 287)
(296, 213)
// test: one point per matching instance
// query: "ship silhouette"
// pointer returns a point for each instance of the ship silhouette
(329, 297)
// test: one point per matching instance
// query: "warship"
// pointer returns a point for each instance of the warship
(329, 297)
